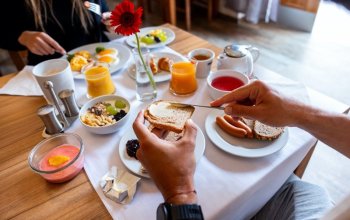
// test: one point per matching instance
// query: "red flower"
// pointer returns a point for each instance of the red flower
(125, 19)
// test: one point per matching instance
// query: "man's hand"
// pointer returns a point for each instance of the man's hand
(258, 101)
(40, 43)
(170, 164)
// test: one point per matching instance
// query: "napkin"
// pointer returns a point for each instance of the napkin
(23, 84)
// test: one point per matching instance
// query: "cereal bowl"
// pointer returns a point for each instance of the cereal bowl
(58, 158)
(105, 114)
(222, 82)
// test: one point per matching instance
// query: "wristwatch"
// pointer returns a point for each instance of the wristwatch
(167, 211)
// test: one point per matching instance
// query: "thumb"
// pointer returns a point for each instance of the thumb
(190, 133)
(241, 110)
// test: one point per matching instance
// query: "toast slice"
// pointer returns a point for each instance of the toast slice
(164, 115)
(266, 132)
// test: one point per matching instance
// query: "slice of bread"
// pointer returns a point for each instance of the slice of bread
(266, 132)
(164, 115)
(249, 122)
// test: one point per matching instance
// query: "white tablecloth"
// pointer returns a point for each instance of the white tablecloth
(229, 187)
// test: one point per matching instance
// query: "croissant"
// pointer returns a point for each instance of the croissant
(153, 66)
(164, 63)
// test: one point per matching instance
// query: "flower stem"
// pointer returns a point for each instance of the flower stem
(150, 76)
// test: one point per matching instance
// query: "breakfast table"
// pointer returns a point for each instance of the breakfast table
(228, 186)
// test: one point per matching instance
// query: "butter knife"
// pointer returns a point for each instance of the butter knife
(183, 105)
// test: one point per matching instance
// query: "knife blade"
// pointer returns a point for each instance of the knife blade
(183, 105)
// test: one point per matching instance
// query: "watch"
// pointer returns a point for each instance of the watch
(167, 211)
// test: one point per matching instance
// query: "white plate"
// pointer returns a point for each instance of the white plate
(135, 166)
(242, 146)
(162, 75)
(124, 55)
(131, 40)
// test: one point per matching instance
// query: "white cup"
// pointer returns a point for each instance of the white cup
(204, 58)
(57, 71)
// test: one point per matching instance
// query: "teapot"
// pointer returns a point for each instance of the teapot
(239, 58)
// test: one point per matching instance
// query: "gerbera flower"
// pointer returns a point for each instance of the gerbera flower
(125, 19)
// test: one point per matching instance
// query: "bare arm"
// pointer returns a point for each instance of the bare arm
(269, 107)
(333, 129)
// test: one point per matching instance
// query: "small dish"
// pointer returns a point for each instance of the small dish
(216, 93)
(106, 129)
(124, 55)
(162, 76)
(58, 158)
(143, 31)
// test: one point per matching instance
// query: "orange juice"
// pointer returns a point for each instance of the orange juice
(183, 78)
(99, 81)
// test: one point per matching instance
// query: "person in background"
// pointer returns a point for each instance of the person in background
(49, 28)
(296, 199)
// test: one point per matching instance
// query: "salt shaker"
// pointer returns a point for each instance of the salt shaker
(49, 118)
(69, 102)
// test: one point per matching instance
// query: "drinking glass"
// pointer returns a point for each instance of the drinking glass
(183, 78)
(98, 80)
(145, 90)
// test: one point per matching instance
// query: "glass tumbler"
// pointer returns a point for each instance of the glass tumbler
(98, 80)
(183, 78)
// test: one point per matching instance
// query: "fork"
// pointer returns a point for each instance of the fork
(93, 7)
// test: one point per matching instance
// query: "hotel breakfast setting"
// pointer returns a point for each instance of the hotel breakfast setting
(68, 143)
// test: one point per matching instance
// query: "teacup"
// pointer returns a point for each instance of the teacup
(204, 58)
(57, 71)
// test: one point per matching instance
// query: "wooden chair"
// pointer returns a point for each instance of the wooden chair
(187, 10)
(18, 58)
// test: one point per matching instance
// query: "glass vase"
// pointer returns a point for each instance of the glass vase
(145, 86)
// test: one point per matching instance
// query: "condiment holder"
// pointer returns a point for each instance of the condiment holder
(55, 124)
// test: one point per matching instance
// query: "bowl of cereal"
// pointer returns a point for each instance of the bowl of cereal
(105, 114)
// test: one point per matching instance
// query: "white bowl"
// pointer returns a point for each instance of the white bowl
(108, 128)
(217, 93)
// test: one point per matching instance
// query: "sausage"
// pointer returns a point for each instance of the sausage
(227, 127)
(239, 124)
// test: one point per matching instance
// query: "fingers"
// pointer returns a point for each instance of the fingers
(52, 43)
(236, 95)
(241, 110)
(190, 133)
(139, 128)
(44, 47)
(106, 16)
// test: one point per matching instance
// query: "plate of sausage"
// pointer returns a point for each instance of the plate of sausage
(243, 146)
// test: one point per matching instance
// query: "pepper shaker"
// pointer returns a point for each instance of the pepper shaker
(69, 102)
(50, 120)
(49, 86)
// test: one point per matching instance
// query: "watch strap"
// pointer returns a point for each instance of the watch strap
(182, 212)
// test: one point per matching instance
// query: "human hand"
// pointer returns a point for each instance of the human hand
(107, 21)
(258, 101)
(40, 43)
(170, 164)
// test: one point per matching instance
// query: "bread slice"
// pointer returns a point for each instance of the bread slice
(249, 122)
(164, 115)
(266, 132)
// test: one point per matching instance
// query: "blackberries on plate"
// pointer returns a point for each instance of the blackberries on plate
(131, 147)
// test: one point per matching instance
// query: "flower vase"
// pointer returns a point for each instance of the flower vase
(145, 86)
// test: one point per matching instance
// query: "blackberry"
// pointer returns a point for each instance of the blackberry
(119, 115)
(156, 39)
(131, 147)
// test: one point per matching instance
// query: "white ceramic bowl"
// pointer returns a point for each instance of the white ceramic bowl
(217, 93)
(108, 128)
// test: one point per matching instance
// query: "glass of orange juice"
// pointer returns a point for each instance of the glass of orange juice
(183, 78)
(98, 80)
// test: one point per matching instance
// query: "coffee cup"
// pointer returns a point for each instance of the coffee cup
(204, 58)
(57, 71)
